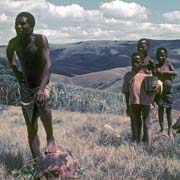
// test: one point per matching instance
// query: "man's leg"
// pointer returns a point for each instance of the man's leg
(169, 120)
(161, 117)
(46, 118)
(32, 128)
(146, 123)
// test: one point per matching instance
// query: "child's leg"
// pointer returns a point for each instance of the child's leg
(169, 120)
(161, 117)
(133, 128)
(136, 122)
(146, 122)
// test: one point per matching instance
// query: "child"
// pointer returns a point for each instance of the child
(166, 73)
(138, 100)
(125, 89)
(143, 46)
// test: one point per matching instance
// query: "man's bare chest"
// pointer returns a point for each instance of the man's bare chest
(28, 54)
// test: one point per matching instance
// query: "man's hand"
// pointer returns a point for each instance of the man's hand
(40, 97)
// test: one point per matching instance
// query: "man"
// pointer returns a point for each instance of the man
(166, 73)
(31, 52)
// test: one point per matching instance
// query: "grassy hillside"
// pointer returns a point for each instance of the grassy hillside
(104, 154)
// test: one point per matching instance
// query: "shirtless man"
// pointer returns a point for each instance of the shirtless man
(32, 52)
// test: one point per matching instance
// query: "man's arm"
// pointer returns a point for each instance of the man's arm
(45, 55)
(10, 53)
(47, 63)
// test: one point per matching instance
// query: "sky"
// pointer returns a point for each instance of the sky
(67, 21)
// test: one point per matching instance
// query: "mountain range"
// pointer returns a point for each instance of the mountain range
(100, 64)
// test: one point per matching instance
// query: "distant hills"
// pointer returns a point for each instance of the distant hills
(100, 64)
(109, 80)
(93, 56)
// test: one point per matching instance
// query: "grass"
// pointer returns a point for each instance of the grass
(104, 153)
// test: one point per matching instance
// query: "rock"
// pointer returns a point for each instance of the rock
(108, 128)
(61, 165)
(176, 124)
(109, 136)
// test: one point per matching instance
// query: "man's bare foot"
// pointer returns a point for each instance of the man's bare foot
(51, 147)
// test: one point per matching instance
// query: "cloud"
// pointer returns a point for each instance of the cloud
(115, 20)
(3, 17)
(172, 16)
(71, 11)
(120, 10)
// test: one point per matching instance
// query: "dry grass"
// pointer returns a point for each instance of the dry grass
(104, 154)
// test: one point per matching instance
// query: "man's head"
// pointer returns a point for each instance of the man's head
(161, 55)
(136, 61)
(24, 24)
(143, 46)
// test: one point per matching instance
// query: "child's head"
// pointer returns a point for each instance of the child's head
(161, 55)
(143, 46)
(136, 61)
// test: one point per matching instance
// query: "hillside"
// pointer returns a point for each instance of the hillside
(104, 154)
(101, 64)
(109, 80)
(94, 56)
(85, 57)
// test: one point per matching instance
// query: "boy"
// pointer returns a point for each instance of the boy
(166, 73)
(125, 90)
(143, 46)
(138, 100)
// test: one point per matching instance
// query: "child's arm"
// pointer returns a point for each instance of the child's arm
(167, 72)
(125, 91)
(171, 70)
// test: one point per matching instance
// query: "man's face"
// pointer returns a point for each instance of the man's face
(161, 56)
(136, 63)
(143, 47)
(22, 26)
